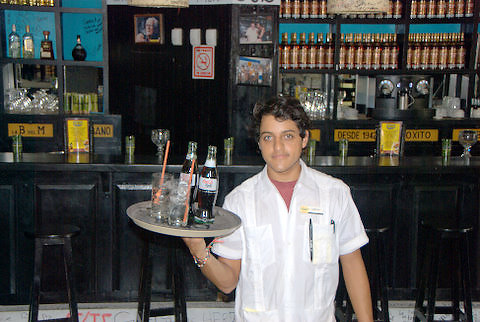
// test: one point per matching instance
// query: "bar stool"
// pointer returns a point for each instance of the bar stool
(439, 234)
(377, 269)
(179, 308)
(52, 236)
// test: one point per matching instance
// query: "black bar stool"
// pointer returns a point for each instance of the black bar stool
(51, 236)
(179, 308)
(437, 237)
(377, 271)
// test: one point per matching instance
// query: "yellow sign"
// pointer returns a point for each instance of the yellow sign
(390, 137)
(315, 134)
(34, 130)
(77, 135)
(354, 135)
(421, 135)
(103, 130)
(455, 133)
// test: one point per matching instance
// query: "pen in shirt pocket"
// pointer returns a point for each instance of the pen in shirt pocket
(310, 239)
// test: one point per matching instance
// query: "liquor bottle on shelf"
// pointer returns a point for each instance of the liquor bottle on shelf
(287, 9)
(425, 52)
(305, 9)
(377, 52)
(368, 51)
(284, 51)
(46, 47)
(78, 52)
(421, 9)
(416, 51)
(207, 188)
(460, 8)
(342, 57)
(469, 8)
(350, 51)
(414, 8)
(397, 9)
(320, 58)
(314, 9)
(14, 46)
(461, 51)
(441, 8)
(360, 53)
(452, 51)
(431, 9)
(294, 52)
(394, 51)
(329, 50)
(323, 9)
(296, 9)
(311, 51)
(443, 53)
(185, 176)
(450, 9)
(303, 52)
(434, 51)
(28, 46)
(385, 55)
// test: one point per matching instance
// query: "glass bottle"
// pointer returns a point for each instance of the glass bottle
(185, 176)
(394, 51)
(46, 47)
(460, 8)
(303, 52)
(385, 56)
(411, 38)
(207, 188)
(294, 52)
(14, 47)
(452, 51)
(434, 52)
(284, 51)
(443, 53)
(312, 51)
(296, 9)
(368, 51)
(78, 52)
(305, 9)
(28, 46)
(431, 9)
(441, 8)
(287, 9)
(421, 9)
(469, 8)
(461, 51)
(342, 57)
(413, 9)
(323, 9)
(329, 50)
(450, 9)
(320, 59)
(377, 52)
(397, 9)
(314, 8)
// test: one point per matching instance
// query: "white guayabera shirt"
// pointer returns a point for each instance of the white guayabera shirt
(282, 277)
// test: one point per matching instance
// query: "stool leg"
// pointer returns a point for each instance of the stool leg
(67, 257)
(179, 290)
(423, 277)
(432, 283)
(144, 294)
(37, 272)
(382, 275)
(455, 277)
(465, 263)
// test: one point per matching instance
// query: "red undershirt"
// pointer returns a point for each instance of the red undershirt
(285, 189)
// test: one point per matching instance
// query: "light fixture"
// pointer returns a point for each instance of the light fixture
(357, 6)
(159, 3)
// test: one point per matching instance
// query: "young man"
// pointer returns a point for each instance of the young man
(296, 224)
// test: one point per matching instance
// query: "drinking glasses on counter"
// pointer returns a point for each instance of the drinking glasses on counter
(160, 138)
(315, 103)
(467, 138)
(18, 101)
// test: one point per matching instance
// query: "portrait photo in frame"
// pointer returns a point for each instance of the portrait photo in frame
(254, 71)
(256, 29)
(149, 29)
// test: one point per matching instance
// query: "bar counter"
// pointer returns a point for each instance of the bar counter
(93, 192)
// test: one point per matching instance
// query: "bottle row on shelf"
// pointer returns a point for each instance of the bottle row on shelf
(373, 51)
(81, 103)
(41, 3)
(436, 51)
(25, 48)
(304, 9)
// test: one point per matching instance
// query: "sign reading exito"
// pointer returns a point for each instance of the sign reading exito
(369, 135)
(45, 130)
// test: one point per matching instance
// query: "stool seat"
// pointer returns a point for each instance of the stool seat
(457, 236)
(54, 231)
(53, 235)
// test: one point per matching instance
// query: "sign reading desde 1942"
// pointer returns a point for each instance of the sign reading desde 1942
(367, 135)
(37, 130)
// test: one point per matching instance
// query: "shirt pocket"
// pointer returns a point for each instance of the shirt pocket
(323, 248)
(260, 246)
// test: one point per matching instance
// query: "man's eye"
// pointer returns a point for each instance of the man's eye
(267, 138)
(288, 136)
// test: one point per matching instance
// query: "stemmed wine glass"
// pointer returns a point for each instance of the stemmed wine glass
(467, 138)
(160, 138)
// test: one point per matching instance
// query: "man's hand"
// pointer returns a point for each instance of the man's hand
(196, 246)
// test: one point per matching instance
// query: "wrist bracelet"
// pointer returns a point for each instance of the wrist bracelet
(200, 262)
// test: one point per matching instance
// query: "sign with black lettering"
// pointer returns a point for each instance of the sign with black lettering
(421, 135)
(354, 135)
(33, 130)
(103, 130)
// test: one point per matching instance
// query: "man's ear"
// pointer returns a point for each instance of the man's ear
(305, 139)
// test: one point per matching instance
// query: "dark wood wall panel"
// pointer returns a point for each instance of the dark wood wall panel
(7, 238)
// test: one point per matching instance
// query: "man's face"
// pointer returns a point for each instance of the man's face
(281, 147)
(149, 27)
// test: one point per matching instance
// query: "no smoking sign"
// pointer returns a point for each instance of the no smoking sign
(203, 62)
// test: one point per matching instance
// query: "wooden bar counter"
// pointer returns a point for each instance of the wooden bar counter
(94, 191)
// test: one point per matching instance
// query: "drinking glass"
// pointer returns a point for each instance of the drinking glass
(160, 138)
(161, 195)
(467, 138)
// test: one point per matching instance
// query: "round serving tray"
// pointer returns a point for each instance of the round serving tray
(225, 222)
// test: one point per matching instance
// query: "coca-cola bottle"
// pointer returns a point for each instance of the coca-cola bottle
(207, 188)
(185, 176)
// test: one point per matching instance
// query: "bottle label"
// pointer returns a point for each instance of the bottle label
(207, 184)
(185, 177)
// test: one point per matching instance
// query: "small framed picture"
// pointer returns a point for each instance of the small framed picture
(254, 71)
(256, 29)
(149, 29)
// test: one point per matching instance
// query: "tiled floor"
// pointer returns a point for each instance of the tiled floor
(400, 311)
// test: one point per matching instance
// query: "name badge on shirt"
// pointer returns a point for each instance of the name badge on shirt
(311, 210)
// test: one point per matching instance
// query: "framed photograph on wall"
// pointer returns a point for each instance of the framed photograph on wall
(149, 29)
(254, 71)
(256, 29)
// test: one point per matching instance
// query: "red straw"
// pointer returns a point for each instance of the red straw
(165, 156)
(187, 204)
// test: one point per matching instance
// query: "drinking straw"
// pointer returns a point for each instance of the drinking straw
(187, 204)
(165, 156)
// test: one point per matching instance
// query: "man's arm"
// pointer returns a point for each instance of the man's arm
(220, 271)
(358, 287)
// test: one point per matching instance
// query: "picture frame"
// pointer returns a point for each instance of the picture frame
(149, 29)
(256, 29)
(78, 135)
(390, 138)
(254, 71)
